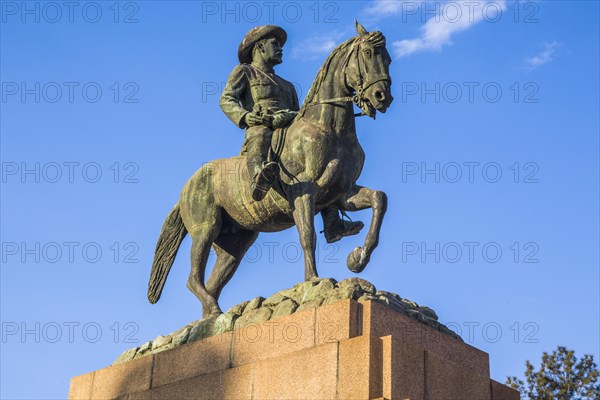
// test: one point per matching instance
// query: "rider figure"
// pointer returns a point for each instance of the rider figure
(259, 101)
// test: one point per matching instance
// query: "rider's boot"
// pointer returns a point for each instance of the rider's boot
(336, 228)
(264, 179)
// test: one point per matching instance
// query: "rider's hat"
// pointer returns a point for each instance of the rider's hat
(256, 34)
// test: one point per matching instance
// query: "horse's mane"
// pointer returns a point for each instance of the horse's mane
(323, 71)
(375, 38)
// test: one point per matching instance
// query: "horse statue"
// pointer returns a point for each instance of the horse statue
(320, 160)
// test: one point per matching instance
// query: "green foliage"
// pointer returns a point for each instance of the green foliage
(561, 377)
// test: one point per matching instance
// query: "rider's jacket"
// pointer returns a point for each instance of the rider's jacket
(251, 89)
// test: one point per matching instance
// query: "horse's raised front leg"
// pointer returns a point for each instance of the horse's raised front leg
(359, 198)
(303, 203)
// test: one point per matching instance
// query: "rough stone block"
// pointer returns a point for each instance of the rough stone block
(503, 392)
(445, 379)
(307, 374)
(353, 379)
(234, 383)
(197, 358)
(403, 370)
(273, 338)
(380, 320)
(337, 321)
(81, 387)
(121, 379)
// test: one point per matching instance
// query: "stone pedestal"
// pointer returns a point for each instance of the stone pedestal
(344, 350)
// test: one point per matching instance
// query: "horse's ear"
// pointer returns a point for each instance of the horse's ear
(359, 28)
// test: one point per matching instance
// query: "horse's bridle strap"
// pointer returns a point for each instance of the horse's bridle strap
(346, 99)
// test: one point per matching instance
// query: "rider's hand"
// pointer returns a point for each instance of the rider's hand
(253, 119)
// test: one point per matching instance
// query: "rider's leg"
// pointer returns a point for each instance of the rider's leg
(336, 228)
(253, 146)
(258, 141)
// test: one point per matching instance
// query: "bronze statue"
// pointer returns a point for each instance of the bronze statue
(318, 161)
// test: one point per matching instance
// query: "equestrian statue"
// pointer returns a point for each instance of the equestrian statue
(295, 162)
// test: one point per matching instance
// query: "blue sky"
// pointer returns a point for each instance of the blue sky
(489, 156)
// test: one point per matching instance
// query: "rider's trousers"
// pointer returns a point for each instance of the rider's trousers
(256, 147)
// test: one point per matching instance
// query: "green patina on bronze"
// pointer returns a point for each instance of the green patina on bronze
(318, 160)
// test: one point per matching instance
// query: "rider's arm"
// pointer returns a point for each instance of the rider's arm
(295, 106)
(231, 98)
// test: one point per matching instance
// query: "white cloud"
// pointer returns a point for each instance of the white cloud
(543, 57)
(382, 8)
(449, 19)
(316, 46)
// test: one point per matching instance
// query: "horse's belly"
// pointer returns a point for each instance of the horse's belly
(261, 216)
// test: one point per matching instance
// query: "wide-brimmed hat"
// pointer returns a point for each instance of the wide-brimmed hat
(256, 34)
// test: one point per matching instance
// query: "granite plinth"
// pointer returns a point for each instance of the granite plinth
(343, 350)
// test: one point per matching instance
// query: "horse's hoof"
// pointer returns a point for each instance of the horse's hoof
(357, 260)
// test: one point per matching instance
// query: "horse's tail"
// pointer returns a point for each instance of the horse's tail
(171, 235)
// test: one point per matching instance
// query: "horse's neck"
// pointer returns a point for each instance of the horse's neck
(338, 117)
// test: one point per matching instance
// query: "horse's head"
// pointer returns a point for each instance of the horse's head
(367, 71)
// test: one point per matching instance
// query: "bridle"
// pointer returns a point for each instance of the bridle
(359, 97)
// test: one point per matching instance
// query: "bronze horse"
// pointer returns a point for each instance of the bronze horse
(320, 160)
